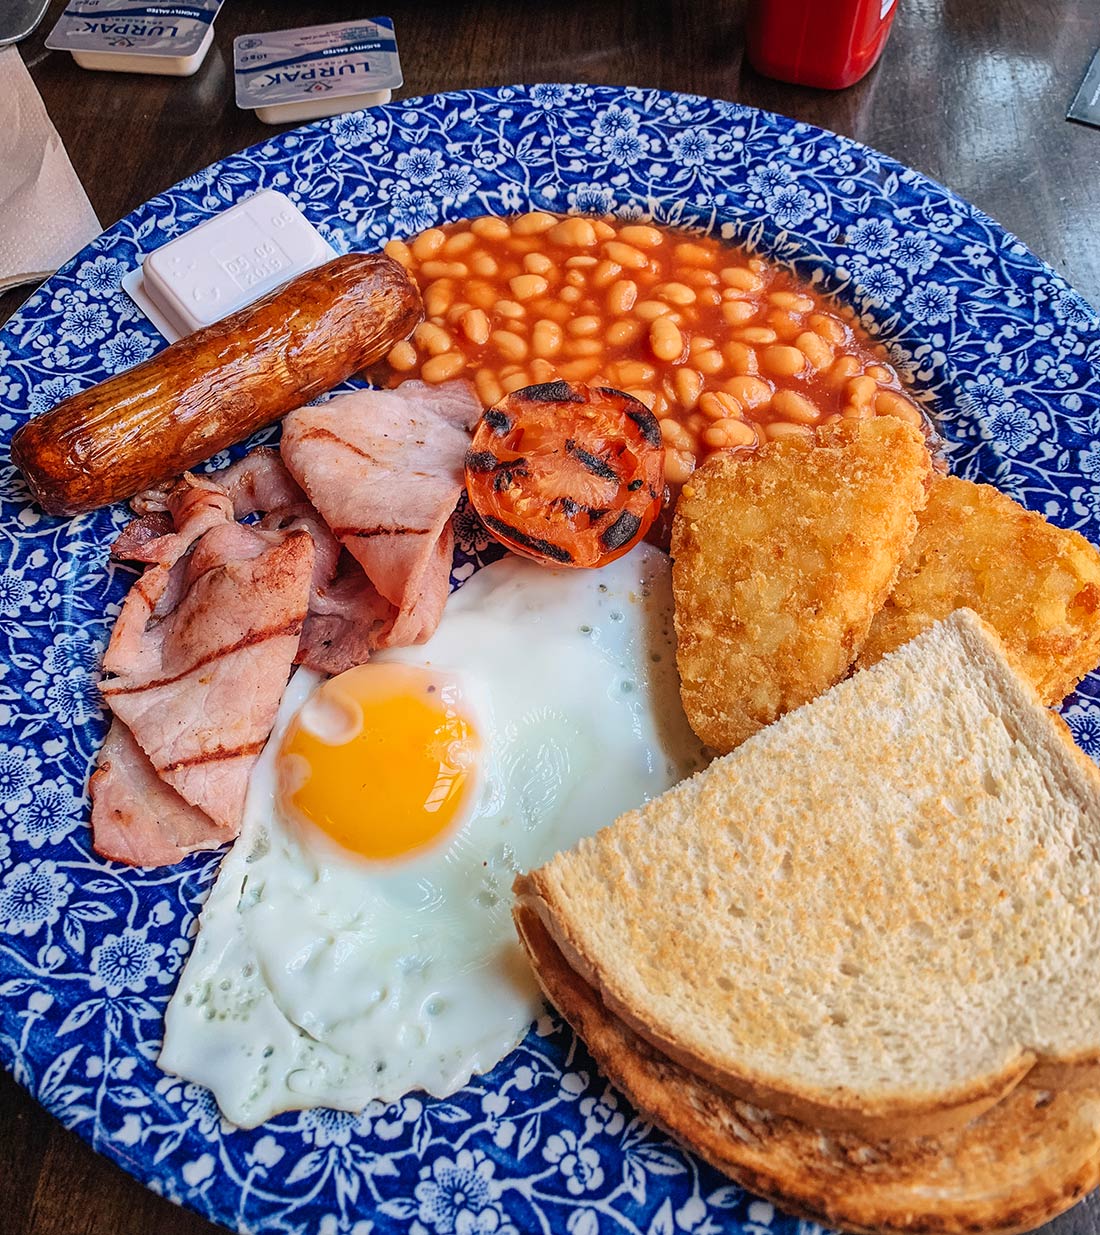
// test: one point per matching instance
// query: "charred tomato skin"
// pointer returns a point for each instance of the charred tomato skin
(567, 474)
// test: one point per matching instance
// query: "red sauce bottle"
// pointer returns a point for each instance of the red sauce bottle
(828, 43)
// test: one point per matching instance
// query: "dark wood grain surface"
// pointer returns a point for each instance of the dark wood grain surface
(971, 92)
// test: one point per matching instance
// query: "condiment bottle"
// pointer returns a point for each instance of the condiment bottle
(827, 43)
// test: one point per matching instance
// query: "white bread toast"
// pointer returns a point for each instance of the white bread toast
(880, 914)
(1027, 1159)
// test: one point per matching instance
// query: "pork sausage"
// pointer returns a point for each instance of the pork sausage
(218, 385)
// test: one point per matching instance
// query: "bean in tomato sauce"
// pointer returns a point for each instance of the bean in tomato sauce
(726, 349)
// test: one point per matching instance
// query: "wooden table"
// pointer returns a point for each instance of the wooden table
(973, 94)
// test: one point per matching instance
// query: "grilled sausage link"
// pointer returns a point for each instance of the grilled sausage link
(217, 386)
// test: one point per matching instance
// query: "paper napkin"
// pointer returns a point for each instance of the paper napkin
(45, 215)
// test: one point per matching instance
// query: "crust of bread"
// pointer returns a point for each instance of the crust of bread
(868, 1114)
(1026, 1160)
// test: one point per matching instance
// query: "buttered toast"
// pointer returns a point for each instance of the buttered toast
(880, 914)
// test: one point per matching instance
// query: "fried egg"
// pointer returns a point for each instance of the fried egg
(358, 941)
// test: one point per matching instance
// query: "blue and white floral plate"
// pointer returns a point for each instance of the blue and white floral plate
(1005, 354)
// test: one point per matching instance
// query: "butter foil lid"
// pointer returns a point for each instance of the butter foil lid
(288, 66)
(142, 29)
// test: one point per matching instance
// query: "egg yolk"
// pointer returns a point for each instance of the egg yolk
(381, 759)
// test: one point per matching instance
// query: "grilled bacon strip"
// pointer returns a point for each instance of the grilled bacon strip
(137, 817)
(197, 662)
(201, 694)
(384, 468)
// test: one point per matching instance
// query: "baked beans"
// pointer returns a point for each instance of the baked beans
(727, 350)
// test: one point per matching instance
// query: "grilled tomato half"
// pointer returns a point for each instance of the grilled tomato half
(567, 474)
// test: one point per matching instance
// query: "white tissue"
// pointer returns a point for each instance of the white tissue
(45, 215)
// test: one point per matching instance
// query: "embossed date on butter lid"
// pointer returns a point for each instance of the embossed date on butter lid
(117, 28)
(323, 66)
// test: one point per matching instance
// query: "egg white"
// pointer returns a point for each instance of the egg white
(318, 979)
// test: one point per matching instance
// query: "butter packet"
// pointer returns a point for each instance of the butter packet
(313, 71)
(122, 37)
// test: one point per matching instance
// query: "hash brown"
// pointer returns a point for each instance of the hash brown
(1036, 584)
(780, 562)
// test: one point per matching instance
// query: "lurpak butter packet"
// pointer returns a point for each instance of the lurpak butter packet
(316, 71)
(122, 36)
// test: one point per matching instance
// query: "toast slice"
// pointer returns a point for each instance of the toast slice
(1025, 1161)
(1037, 585)
(781, 560)
(879, 914)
